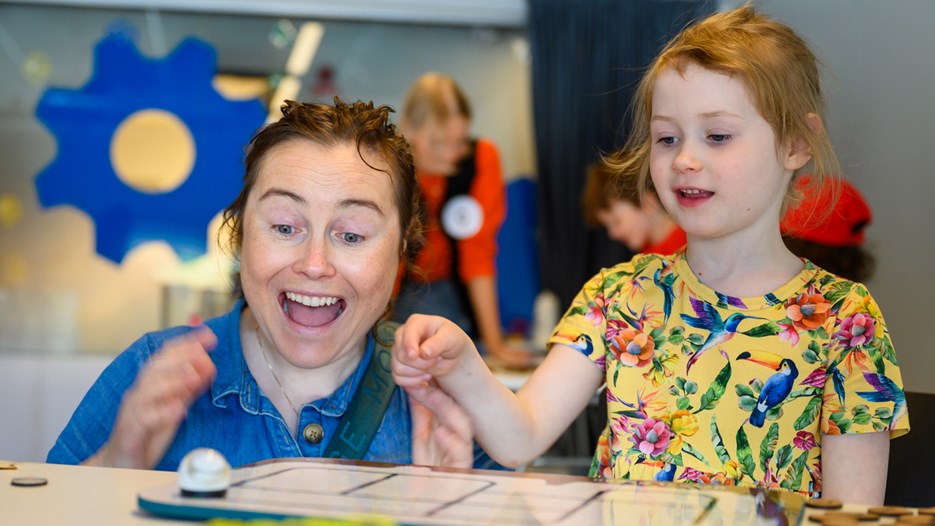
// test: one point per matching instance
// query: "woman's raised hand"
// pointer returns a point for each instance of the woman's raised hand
(155, 405)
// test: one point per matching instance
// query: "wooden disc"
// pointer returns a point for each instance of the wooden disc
(825, 504)
(889, 511)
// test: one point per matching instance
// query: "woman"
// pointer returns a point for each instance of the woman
(328, 210)
(462, 184)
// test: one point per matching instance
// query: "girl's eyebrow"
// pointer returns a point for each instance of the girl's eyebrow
(344, 203)
(705, 115)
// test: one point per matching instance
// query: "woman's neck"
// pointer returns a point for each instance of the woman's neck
(284, 383)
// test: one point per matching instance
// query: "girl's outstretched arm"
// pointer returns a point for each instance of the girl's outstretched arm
(853, 467)
(512, 428)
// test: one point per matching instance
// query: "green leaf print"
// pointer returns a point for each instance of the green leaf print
(793, 478)
(783, 457)
(840, 419)
(809, 414)
(883, 413)
(827, 278)
(743, 390)
(838, 291)
(757, 386)
(690, 387)
(718, 442)
(578, 310)
(815, 348)
(821, 333)
(689, 450)
(677, 336)
(768, 446)
(744, 454)
(716, 390)
(888, 351)
(805, 391)
(861, 415)
(760, 331)
(747, 403)
(683, 403)
(696, 340)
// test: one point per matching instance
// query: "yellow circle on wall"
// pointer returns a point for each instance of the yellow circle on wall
(11, 210)
(152, 151)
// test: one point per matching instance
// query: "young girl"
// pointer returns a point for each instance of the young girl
(733, 361)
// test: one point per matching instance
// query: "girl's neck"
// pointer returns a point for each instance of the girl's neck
(662, 227)
(742, 269)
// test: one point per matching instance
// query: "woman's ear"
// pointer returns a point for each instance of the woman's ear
(799, 153)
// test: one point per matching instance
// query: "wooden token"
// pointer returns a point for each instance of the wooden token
(917, 519)
(839, 521)
(855, 515)
(4, 465)
(825, 504)
(927, 511)
(889, 511)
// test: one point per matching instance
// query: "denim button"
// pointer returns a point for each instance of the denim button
(313, 433)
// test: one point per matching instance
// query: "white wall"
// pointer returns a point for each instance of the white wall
(880, 60)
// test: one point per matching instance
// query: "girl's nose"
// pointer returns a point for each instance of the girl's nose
(686, 161)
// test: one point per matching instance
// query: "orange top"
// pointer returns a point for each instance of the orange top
(668, 246)
(479, 252)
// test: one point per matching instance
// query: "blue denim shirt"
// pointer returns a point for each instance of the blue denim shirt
(234, 416)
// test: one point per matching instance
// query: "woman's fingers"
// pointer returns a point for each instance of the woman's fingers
(158, 401)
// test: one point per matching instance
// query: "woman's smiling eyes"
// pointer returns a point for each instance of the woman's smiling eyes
(351, 238)
(347, 238)
(284, 230)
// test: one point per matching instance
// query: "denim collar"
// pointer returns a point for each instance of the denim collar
(235, 380)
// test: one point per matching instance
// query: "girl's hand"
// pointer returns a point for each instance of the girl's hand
(442, 434)
(155, 405)
(427, 347)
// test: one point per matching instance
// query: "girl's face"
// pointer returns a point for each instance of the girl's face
(714, 159)
(321, 245)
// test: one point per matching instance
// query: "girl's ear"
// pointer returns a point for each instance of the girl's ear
(799, 152)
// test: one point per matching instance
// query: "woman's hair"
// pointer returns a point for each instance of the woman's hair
(432, 99)
(778, 68)
(358, 123)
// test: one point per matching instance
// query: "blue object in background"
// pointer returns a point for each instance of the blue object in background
(84, 122)
(518, 257)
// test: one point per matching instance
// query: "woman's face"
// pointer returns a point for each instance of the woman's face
(321, 245)
(437, 148)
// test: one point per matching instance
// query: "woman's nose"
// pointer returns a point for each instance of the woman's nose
(315, 259)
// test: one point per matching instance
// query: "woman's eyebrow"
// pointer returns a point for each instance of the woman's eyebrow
(366, 203)
(274, 192)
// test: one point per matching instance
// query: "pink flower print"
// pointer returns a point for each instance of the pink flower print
(651, 437)
(856, 329)
(788, 333)
(595, 314)
(694, 475)
(804, 440)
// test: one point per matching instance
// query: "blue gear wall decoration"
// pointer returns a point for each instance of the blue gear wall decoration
(84, 122)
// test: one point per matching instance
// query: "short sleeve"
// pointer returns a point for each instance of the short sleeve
(584, 324)
(863, 385)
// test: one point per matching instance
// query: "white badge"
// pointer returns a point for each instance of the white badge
(462, 217)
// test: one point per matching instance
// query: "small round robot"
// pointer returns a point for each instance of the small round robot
(204, 473)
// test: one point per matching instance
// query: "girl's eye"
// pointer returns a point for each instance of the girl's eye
(351, 238)
(668, 141)
(284, 230)
(719, 137)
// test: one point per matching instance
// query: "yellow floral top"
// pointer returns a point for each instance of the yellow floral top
(705, 387)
